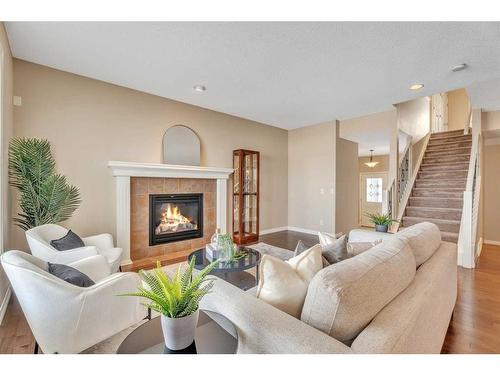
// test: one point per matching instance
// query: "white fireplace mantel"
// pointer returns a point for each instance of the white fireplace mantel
(122, 171)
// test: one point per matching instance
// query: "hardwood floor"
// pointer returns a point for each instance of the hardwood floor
(15, 334)
(475, 326)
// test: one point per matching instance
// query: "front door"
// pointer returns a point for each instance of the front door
(372, 186)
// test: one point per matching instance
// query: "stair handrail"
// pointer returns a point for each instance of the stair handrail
(403, 178)
(390, 204)
(470, 212)
(409, 187)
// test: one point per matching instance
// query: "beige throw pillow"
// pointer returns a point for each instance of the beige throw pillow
(283, 284)
(356, 248)
(301, 247)
(334, 248)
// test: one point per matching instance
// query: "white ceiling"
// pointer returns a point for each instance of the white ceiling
(485, 95)
(285, 74)
(371, 132)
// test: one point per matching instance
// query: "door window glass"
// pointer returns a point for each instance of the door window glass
(374, 190)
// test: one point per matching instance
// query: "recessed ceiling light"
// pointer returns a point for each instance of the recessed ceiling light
(199, 88)
(416, 86)
(458, 68)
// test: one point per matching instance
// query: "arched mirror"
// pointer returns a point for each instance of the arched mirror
(181, 146)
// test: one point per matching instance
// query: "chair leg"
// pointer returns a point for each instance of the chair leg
(120, 268)
(36, 348)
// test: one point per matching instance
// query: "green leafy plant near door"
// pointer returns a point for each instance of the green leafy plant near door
(381, 221)
(45, 196)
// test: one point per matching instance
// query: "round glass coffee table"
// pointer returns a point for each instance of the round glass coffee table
(215, 334)
(228, 270)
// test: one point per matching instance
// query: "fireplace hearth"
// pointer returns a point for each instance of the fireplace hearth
(175, 217)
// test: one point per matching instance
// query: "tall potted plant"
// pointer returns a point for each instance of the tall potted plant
(177, 299)
(381, 221)
(45, 197)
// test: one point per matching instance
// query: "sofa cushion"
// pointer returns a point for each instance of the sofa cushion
(343, 298)
(423, 238)
(356, 248)
(70, 241)
(283, 284)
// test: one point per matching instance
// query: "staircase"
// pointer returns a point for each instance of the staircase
(438, 190)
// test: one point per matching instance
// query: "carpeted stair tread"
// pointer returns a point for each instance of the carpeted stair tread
(449, 237)
(450, 140)
(436, 160)
(438, 192)
(447, 134)
(437, 195)
(446, 174)
(453, 151)
(443, 224)
(435, 212)
(444, 166)
(449, 146)
(436, 202)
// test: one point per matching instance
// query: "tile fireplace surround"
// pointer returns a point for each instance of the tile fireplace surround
(135, 181)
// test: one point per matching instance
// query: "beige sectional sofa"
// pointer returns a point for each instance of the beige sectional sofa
(397, 297)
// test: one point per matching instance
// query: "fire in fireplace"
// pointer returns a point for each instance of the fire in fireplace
(175, 217)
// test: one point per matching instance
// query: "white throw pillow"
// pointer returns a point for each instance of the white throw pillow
(283, 284)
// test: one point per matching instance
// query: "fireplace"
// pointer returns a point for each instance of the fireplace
(175, 217)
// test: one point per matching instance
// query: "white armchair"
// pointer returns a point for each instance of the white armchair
(65, 318)
(39, 242)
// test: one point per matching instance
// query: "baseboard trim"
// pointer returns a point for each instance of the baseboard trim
(490, 242)
(303, 230)
(293, 229)
(480, 246)
(272, 230)
(126, 262)
(5, 303)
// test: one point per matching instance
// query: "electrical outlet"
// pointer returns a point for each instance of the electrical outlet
(322, 191)
(17, 101)
(321, 222)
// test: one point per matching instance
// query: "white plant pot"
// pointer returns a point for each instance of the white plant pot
(179, 332)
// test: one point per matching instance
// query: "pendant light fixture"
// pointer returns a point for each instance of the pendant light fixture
(371, 163)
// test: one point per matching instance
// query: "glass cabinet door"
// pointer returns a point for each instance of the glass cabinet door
(245, 196)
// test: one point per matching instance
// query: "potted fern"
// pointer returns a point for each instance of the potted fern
(45, 197)
(177, 299)
(381, 221)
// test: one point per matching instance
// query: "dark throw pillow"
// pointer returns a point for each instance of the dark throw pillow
(68, 242)
(70, 275)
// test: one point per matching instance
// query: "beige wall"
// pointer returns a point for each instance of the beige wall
(414, 117)
(490, 121)
(346, 184)
(491, 181)
(382, 166)
(6, 132)
(458, 109)
(311, 175)
(90, 122)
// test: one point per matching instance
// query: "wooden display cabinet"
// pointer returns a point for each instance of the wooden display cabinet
(246, 196)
